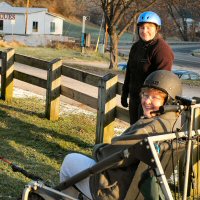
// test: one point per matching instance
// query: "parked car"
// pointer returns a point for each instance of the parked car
(182, 74)
(122, 66)
(187, 75)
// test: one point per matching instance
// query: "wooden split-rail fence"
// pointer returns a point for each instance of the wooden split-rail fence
(105, 104)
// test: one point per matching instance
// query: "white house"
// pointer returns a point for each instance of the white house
(28, 21)
(193, 23)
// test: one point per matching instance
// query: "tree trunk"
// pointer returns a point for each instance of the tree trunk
(135, 29)
(114, 40)
(185, 31)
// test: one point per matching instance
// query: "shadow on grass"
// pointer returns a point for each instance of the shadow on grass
(32, 146)
(27, 112)
(11, 187)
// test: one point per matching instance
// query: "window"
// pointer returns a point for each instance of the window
(35, 26)
(52, 27)
(1, 25)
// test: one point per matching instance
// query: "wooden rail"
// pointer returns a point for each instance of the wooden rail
(108, 87)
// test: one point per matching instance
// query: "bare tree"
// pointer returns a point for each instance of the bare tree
(65, 7)
(115, 11)
(181, 11)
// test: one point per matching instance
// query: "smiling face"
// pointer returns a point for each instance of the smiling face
(147, 31)
(151, 100)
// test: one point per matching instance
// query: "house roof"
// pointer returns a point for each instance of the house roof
(55, 15)
(7, 8)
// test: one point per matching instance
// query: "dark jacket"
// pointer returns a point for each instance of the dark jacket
(114, 183)
(144, 58)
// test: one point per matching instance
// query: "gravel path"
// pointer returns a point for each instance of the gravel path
(64, 107)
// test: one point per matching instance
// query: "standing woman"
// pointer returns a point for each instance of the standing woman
(148, 54)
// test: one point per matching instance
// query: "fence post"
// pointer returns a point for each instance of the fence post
(107, 103)
(53, 89)
(7, 75)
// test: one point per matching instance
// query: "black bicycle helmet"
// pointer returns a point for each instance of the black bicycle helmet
(165, 81)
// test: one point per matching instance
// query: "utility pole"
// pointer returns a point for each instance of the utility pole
(12, 21)
(83, 35)
(26, 25)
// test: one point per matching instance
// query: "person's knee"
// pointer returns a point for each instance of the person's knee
(64, 171)
(69, 159)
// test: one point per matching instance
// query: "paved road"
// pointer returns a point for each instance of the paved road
(183, 60)
(182, 53)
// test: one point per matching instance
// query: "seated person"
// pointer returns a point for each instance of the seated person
(159, 88)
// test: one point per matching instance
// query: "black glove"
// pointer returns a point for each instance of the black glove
(124, 101)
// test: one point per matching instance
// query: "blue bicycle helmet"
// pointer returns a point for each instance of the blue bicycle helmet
(150, 17)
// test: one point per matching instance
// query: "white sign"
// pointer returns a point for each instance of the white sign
(8, 16)
(12, 21)
(86, 17)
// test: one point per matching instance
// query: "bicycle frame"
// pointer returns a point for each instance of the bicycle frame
(53, 194)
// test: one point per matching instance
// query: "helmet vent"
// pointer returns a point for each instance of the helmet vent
(149, 17)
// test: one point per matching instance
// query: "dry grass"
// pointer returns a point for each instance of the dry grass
(62, 45)
(12, 44)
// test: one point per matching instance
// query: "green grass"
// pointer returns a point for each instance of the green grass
(72, 29)
(65, 53)
(191, 82)
(37, 144)
(196, 53)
